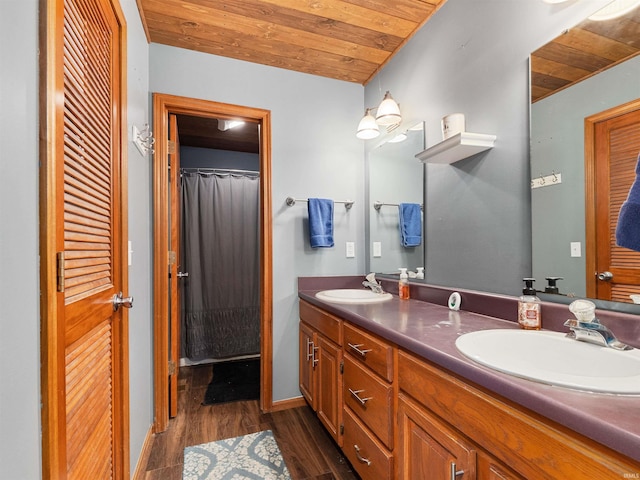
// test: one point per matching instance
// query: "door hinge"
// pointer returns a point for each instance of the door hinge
(341, 366)
(172, 257)
(171, 147)
(172, 367)
(342, 429)
(60, 271)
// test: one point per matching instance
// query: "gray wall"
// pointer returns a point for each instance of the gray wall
(557, 133)
(472, 57)
(314, 154)
(195, 157)
(19, 328)
(140, 235)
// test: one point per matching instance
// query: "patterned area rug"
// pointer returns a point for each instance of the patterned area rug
(255, 456)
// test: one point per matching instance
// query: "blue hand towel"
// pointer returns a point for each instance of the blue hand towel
(320, 222)
(628, 227)
(410, 224)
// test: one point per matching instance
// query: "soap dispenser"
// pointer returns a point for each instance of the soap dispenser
(403, 285)
(420, 273)
(529, 316)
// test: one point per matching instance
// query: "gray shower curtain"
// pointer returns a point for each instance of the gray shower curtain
(220, 250)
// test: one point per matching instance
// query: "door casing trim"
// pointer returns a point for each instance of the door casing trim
(163, 105)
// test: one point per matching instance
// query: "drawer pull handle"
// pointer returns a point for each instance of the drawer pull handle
(309, 349)
(360, 457)
(355, 395)
(357, 349)
(315, 360)
(455, 473)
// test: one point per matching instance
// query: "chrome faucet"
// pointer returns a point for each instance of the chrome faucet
(372, 283)
(587, 328)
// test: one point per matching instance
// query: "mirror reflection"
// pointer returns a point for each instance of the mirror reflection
(583, 83)
(395, 177)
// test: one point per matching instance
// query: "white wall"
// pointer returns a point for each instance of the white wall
(314, 154)
(472, 57)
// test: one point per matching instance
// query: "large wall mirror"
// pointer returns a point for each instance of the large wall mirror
(395, 176)
(584, 73)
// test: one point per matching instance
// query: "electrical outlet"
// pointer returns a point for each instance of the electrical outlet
(351, 249)
(377, 249)
(576, 249)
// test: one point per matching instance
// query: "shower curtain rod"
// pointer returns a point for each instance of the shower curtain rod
(217, 170)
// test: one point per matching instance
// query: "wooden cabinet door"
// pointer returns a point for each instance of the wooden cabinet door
(428, 448)
(488, 468)
(307, 362)
(329, 386)
(83, 225)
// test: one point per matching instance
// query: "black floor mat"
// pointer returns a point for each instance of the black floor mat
(234, 380)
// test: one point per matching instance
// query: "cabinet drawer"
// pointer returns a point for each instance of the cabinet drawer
(372, 351)
(370, 398)
(368, 456)
(321, 321)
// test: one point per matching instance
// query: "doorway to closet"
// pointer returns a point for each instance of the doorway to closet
(173, 115)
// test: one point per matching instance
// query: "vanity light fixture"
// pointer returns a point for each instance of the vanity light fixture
(367, 128)
(615, 9)
(387, 113)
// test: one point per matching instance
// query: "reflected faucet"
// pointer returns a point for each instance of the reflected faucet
(372, 283)
(587, 328)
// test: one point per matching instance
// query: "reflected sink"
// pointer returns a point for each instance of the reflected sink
(554, 359)
(353, 296)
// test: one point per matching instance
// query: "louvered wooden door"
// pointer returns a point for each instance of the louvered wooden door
(616, 150)
(85, 361)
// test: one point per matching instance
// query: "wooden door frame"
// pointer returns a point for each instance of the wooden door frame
(163, 105)
(590, 179)
(52, 357)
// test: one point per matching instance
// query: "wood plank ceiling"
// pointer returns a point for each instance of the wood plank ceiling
(583, 51)
(343, 39)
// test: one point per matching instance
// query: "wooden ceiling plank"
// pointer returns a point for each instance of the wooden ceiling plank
(556, 69)
(319, 25)
(412, 10)
(244, 46)
(562, 54)
(594, 44)
(274, 60)
(193, 18)
(352, 14)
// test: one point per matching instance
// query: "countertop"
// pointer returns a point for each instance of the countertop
(430, 330)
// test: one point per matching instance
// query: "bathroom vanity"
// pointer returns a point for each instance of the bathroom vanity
(388, 383)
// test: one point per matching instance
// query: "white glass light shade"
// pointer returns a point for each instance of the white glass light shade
(367, 128)
(388, 111)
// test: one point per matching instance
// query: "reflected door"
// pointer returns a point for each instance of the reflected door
(612, 147)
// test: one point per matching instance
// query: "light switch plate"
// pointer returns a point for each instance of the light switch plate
(377, 249)
(351, 249)
(576, 249)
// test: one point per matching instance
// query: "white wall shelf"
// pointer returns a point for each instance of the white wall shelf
(458, 147)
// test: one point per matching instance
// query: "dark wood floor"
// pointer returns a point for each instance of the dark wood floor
(307, 449)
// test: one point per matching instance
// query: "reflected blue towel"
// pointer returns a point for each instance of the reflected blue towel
(320, 222)
(628, 227)
(410, 224)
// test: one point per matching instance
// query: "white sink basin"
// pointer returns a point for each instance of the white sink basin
(552, 358)
(353, 296)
